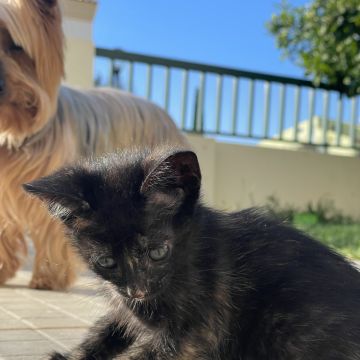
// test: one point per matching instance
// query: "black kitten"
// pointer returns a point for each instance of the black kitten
(187, 282)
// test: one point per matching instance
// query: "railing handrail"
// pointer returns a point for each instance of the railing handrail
(115, 54)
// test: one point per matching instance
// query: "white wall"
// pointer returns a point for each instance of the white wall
(79, 55)
(237, 176)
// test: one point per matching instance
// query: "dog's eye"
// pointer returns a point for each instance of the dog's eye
(16, 48)
(159, 253)
(106, 262)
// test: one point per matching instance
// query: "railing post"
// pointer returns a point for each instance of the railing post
(148, 81)
(325, 119)
(218, 104)
(311, 115)
(112, 67)
(297, 108)
(235, 96)
(282, 110)
(338, 125)
(130, 76)
(184, 96)
(267, 100)
(199, 126)
(167, 88)
(353, 125)
(251, 107)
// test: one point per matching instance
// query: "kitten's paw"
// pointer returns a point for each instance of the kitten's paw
(57, 356)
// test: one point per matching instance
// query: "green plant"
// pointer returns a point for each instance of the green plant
(343, 238)
(324, 38)
(321, 212)
(323, 222)
(285, 213)
(327, 213)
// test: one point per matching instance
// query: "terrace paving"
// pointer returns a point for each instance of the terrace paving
(33, 323)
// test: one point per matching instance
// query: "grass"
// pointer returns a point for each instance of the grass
(343, 238)
(323, 222)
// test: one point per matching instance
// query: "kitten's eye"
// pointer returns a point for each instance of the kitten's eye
(106, 262)
(159, 253)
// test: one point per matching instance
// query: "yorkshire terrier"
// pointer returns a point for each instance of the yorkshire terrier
(44, 125)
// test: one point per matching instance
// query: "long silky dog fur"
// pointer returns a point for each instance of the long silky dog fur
(44, 126)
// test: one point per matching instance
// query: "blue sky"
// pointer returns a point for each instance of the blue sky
(223, 32)
(228, 33)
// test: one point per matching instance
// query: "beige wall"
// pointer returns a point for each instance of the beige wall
(77, 24)
(237, 176)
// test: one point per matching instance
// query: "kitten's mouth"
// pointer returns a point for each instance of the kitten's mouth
(137, 294)
(144, 296)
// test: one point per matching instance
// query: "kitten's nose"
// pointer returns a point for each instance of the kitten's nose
(135, 293)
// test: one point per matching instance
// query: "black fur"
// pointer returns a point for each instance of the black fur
(233, 286)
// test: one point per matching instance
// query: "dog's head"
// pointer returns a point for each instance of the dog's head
(31, 66)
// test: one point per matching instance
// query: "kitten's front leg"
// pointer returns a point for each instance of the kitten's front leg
(161, 352)
(105, 340)
(147, 355)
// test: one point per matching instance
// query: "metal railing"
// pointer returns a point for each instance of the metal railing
(223, 101)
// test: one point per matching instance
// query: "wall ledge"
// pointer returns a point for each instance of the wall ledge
(77, 9)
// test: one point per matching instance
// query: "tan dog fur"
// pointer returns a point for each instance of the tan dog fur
(44, 126)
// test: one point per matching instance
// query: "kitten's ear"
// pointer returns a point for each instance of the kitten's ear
(178, 171)
(66, 193)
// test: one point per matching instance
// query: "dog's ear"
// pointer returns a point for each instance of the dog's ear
(68, 193)
(45, 3)
(173, 180)
(46, 8)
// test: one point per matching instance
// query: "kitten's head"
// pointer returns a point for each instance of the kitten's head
(128, 214)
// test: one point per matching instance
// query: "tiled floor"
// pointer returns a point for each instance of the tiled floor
(34, 323)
